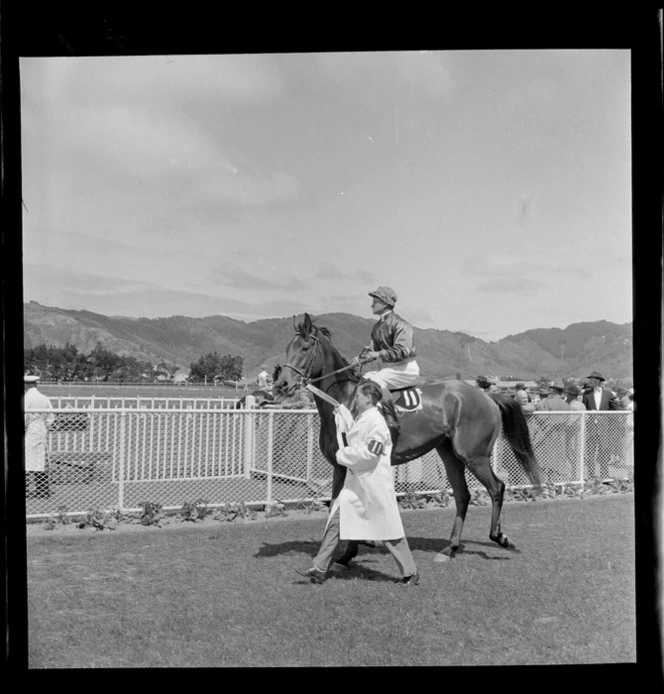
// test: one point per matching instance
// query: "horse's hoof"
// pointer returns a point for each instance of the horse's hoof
(441, 558)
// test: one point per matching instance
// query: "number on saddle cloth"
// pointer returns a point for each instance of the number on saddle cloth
(407, 399)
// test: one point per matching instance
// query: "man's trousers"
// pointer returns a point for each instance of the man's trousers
(399, 549)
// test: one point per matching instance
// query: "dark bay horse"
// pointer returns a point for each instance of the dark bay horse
(461, 422)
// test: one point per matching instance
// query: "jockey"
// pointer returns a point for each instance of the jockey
(392, 342)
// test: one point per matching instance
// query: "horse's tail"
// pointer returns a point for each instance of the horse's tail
(515, 430)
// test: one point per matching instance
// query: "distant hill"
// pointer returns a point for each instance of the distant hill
(553, 352)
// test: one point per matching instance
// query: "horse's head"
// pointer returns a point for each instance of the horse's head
(304, 358)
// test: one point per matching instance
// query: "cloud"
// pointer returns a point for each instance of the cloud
(233, 275)
(428, 71)
(418, 316)
(127, 144)
(247, 78)
(245, 190)
(366, 277)
(543, 91)
(521, 266)
(39, 278)
(156, 149)
(70, 289)
(512, 286)
(328, 271)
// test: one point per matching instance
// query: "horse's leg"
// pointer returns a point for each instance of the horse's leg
(454, 468)
(480, 466)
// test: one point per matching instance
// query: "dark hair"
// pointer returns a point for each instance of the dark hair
(371, 388)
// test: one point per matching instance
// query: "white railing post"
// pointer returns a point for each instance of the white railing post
(249, 422)
(582, 446)
(270, 447)
(310, 446)
(121, 460)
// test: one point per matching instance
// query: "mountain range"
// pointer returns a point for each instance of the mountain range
(573, 351)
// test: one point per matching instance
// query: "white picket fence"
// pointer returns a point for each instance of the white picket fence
(138, 402)
(116, 457)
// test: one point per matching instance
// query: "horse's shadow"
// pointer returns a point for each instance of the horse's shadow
(422, 544)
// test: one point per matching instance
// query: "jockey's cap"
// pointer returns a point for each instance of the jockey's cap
(30, 378)
(385, 294)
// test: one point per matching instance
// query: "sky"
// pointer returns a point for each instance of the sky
(490, 189)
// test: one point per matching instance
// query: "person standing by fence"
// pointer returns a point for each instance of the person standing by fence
(598, 398)
(36, 433)
(573, 431)
(549, 436)
(263, 380)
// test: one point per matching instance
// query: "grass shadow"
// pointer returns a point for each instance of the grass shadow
(421, 544)
(308, 547)
(435, 546)
(358, 570)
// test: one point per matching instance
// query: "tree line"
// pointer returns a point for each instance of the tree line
(67, 363)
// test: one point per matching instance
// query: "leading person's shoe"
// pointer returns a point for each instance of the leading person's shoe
(411, 580)
(314, 574)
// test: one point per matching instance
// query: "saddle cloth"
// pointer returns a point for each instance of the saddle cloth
(407, 399)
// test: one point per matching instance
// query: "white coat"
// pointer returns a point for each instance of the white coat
(36, 430)
(367, 503)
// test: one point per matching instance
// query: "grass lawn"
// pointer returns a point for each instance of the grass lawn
(226, 595)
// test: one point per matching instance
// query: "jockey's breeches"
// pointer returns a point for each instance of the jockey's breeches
(399, 375)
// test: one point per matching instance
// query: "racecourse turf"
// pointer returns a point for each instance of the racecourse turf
(220, 594)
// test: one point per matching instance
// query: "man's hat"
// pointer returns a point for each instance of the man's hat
(558, 385)
(30, 378)
(520, 386)
(573, 390)
(385, 294)
(597, 374)
(484, 381)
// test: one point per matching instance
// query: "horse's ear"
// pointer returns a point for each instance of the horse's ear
(308, 325)
(295, 323)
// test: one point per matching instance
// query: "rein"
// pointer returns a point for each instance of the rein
(331, 373)
(309, 364)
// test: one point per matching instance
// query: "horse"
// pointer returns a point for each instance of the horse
(262, 397)
(461, 422)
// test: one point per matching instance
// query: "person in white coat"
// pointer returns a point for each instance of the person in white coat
(36, 434)
(366, 508)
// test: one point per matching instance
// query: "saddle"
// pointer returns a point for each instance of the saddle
(408, 399)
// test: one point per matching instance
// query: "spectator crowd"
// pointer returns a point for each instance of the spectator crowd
(590, 393)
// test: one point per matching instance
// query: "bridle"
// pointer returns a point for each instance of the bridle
(304, 375)
(308, 364)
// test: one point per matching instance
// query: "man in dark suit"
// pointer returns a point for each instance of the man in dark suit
(598, 453)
